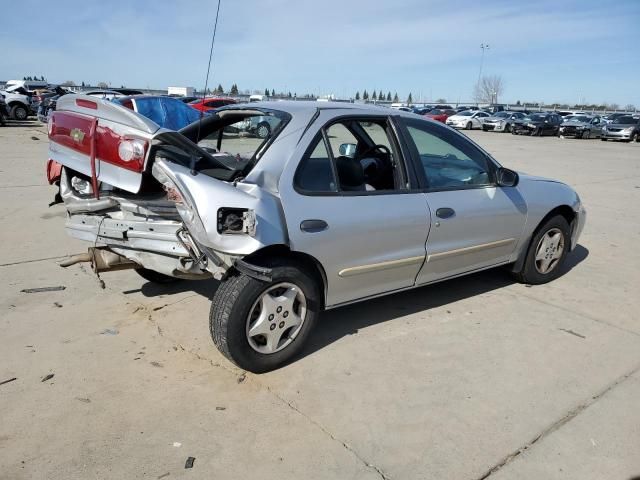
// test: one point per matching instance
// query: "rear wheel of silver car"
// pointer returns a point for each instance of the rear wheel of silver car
(261, 325)
(18, 112)
(547, 252)
(469, 126)
(263, 130)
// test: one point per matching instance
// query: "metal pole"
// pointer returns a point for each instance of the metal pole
(483, 47)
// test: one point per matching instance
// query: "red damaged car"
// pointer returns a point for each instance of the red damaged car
(205, 104)
(439, 115)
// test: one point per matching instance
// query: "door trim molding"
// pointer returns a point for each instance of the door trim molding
(472, 249)
(376, 267)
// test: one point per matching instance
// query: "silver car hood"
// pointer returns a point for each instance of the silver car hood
(533, 178)
(574, 124)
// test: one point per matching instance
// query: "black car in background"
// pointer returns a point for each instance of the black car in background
(538, 124)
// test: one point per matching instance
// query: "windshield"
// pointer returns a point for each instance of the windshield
(502, 114)
(536, 117)
(626, 120)
(466, 113)
(577, 118)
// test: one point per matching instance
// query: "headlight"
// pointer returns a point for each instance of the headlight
(628, 130)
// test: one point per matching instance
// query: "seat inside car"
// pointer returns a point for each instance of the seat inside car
(351, 175)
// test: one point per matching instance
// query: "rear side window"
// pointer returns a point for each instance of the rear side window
(315, 172)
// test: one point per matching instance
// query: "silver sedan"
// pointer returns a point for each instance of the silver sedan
(338, 204)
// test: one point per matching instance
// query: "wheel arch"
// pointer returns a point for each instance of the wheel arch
(309, 263)
(564, 211)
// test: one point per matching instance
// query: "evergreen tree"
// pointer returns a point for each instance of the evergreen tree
(374, 96)
(357, 95)
(24, 78)
(365, 95)
(395, 98)
(289, 95)
(220, 89)
(409, 99)
(266, 92)
(388, 96)
(234, 89)
(83, 83)
(273, 92)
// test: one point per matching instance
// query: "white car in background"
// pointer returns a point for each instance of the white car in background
(468, 119)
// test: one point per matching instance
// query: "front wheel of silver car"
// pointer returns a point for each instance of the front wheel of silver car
(547, 252)
(261, 325)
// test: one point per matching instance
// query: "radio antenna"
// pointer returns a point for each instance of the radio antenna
(206, 80)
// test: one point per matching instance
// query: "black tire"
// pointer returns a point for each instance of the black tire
(3, 121)
(469, 126)
(634, 137)
(263, 130)
(529, 274)
(155, 277)
(232, 304)
(19, 112)
(586, 135)
(513, 132)
(484, 129)
(507, 128)
(603, 139)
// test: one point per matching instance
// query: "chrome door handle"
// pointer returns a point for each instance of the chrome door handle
(445, 213)
(313, 225)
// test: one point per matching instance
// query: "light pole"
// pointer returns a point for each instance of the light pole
(483, 46)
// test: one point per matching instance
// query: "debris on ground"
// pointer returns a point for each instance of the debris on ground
(242, 378)
(48, 377)
(43, 289)
(156, 364)
(109, 331)
(177, 444)
(83, 400)
(221, 408)
(572, 332)
(33, 137)
(164, 475)
(189, 462)
(57, 304)
(7, 381)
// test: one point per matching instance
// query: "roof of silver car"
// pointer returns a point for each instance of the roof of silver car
(298, 106)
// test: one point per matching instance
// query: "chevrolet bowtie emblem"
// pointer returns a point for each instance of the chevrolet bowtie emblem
(77, 135)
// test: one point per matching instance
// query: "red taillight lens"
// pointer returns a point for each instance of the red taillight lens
(81, 102)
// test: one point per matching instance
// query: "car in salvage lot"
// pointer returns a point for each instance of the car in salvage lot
(501, 121)
(581, 126)
(625, 128)
(468, 119)
(339, 204)
(537, 124)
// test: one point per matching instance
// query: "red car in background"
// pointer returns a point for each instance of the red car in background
(439, 115)
(205, 104)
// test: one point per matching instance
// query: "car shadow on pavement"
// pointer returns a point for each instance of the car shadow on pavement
(348, 320)
(23, 123)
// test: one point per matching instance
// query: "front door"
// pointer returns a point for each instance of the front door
(347, 203)
(474, 223)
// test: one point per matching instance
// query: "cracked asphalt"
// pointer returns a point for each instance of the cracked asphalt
(470, 379)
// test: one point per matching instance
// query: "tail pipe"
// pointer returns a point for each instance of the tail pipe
(102, 260)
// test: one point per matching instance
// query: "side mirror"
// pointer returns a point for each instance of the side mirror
(347, 149)
(507, 178)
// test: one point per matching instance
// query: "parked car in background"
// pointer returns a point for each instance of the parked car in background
(625, 128)
(463, 108)
(501, 121)
(611, 117)
(128, 91)
(568, 113)
(165, 111)
(18, 101)
(581, 126)
(537, 124)
(28, 85)
(4, 113)
(41, 97)
(439, 115)
(211, 103)
(104, 94)
(494, 108)
(469, 119)
(286, 225)
(185, 99)
(420, 110)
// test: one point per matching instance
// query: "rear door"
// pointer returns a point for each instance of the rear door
(364, 223)
(474, 223)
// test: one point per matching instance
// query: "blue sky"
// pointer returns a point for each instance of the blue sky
(552, 51)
